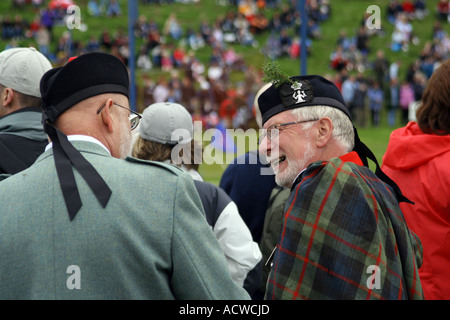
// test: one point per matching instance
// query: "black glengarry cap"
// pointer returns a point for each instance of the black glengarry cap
(300, 91)
(82, 77)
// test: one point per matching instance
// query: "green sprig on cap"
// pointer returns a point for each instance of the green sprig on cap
(273, 74)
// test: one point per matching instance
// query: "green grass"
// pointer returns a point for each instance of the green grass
(346, 15)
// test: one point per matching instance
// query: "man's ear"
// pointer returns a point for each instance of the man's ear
(7, 97)
(106, 115)
(324, 132)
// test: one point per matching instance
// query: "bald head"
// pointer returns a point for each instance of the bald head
(110, 126)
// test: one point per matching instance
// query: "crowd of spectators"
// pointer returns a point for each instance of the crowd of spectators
(172, 48)
(204, 87)
(367, 93)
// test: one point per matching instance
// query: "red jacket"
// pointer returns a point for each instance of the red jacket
(420, 164)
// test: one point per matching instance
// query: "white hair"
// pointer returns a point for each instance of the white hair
(258, 111)
(343, 131)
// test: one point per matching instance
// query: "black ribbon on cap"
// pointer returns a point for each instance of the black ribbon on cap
(61, 88)
(66, 155)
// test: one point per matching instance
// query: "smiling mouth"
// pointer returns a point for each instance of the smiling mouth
(278, 161)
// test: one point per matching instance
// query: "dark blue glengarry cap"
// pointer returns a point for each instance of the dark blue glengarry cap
(301, 91)
(88, 75)
(313, 90)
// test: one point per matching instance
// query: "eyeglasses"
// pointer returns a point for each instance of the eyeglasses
(273, 131)
(134, 117)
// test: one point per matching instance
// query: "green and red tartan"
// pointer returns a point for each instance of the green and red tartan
(344, 237)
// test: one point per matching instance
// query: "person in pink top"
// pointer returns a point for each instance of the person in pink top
(406, 97)
(418, 160)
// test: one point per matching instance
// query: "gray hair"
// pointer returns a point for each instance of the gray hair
(342, 126)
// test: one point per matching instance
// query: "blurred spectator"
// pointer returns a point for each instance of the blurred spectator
(94, 8)
(20, 4)
(205, 30)
(406, 97)
(161, 91)
(172, 28)
(362, 41)
(393, 101)
(381, 68)
(376, 97)
(393, 8)
(43, 38)
(285, 43)
(113, 8)
(359, 101)
(194, 39)
(343, 40)
(419, 83)
(403, 31)
(394, 69)
(420, 9)
(443, 10)
(338, 60)
(348, 92)
(143, 60)
(248, 8)
(148, 86)
(105, 40)
(408, 8)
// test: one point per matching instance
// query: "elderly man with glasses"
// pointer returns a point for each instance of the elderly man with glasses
(83, 223)
(343, 234)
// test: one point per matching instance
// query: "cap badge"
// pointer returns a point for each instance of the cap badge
(299, 95)
(296, 92)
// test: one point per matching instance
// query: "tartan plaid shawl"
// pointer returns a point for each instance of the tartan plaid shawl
(344, 237)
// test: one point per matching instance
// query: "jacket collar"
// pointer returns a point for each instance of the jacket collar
(82, 146)
(348, 157)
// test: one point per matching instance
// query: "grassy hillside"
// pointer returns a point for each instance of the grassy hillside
(345, 15)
